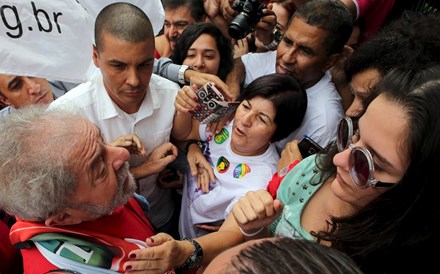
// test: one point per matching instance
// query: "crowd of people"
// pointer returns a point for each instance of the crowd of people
(86, 169)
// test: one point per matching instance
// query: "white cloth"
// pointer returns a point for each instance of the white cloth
(153, 124)
(258, 64)
(324, 104)
(235, 175)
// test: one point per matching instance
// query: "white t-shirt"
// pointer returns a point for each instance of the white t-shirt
(324, 104)
(152, 123)
(235, 175)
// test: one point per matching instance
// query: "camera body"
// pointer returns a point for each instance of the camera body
(249, 13)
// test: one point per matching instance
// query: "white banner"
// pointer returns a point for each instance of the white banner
(53, 39)
(50, 39)
(152, 8)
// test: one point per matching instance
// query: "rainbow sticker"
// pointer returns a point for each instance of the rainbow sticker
(222, 136)
(241, 170)
(222, 165)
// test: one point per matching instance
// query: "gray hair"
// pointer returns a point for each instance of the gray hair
(36, 177)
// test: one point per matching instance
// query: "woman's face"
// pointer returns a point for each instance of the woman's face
(382, 131)
(254, 126)
(360, 85)
(203, 55)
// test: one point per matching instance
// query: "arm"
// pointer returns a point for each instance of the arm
(236, 77)
(165, 253)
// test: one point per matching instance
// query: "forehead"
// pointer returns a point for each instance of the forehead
(385, 135)
(262, 104)
(303, 33)
(4, 80)
(206, 41)
(182, 13)
(365, 79)
(120, 49)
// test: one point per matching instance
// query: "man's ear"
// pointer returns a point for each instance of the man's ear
(4, 100)
(331, 61)
(95, 56)
(62, 218)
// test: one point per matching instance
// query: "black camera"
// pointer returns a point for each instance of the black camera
(249, 13)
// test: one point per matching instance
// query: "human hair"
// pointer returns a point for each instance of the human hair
(284, 255)
(288, 97)
(192, 33)
(36, 178)
(195, 6)
(330, 15)
(123, 21)
(400, 226)
(408, 40)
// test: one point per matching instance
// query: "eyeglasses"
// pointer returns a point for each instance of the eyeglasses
(361, 165)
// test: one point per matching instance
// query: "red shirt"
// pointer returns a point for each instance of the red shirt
(128, 221)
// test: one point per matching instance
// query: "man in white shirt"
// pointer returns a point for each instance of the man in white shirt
(311, 45)
(126, 98)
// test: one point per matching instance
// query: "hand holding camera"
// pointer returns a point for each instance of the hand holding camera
(249, 13)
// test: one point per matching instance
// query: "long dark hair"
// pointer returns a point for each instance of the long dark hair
(191, 33)
(395, 232)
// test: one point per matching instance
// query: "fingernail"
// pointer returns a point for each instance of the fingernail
(195, 99)
(132, 256)
(128, 268)
(151, 239)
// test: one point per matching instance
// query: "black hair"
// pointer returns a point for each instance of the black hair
(191, 33)
(400, 226)
(287, 95)
(332, 16)
(124, 21)
(195, 6)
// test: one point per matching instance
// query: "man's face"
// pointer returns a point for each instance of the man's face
(302, 53)
(104, 180)
(126, 70)
(21, 91)
(176, 20)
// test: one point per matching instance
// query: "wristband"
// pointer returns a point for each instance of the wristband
(277, 36)
(181, 74)
(251, 234)
(195, 259)
(189, 143)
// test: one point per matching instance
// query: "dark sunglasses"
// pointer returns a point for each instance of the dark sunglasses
(361, 165)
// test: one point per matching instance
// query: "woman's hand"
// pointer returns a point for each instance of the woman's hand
(186, 100)
(289, 154)
(200, 167)
(163, 254)
(255, 210)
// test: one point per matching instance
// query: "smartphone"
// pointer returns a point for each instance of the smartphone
(308, 147)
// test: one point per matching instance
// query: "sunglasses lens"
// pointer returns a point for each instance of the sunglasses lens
(359, 169)
(342, 135)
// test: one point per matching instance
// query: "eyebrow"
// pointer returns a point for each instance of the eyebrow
(97, 155)
(13, 82)
(384, 162)
(205, 50)
(375, 154)
(261, 113)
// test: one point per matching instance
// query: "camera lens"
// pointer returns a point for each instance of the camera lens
(239, 27)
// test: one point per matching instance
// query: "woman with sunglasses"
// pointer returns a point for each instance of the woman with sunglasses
(377, 201)
(375, 198)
